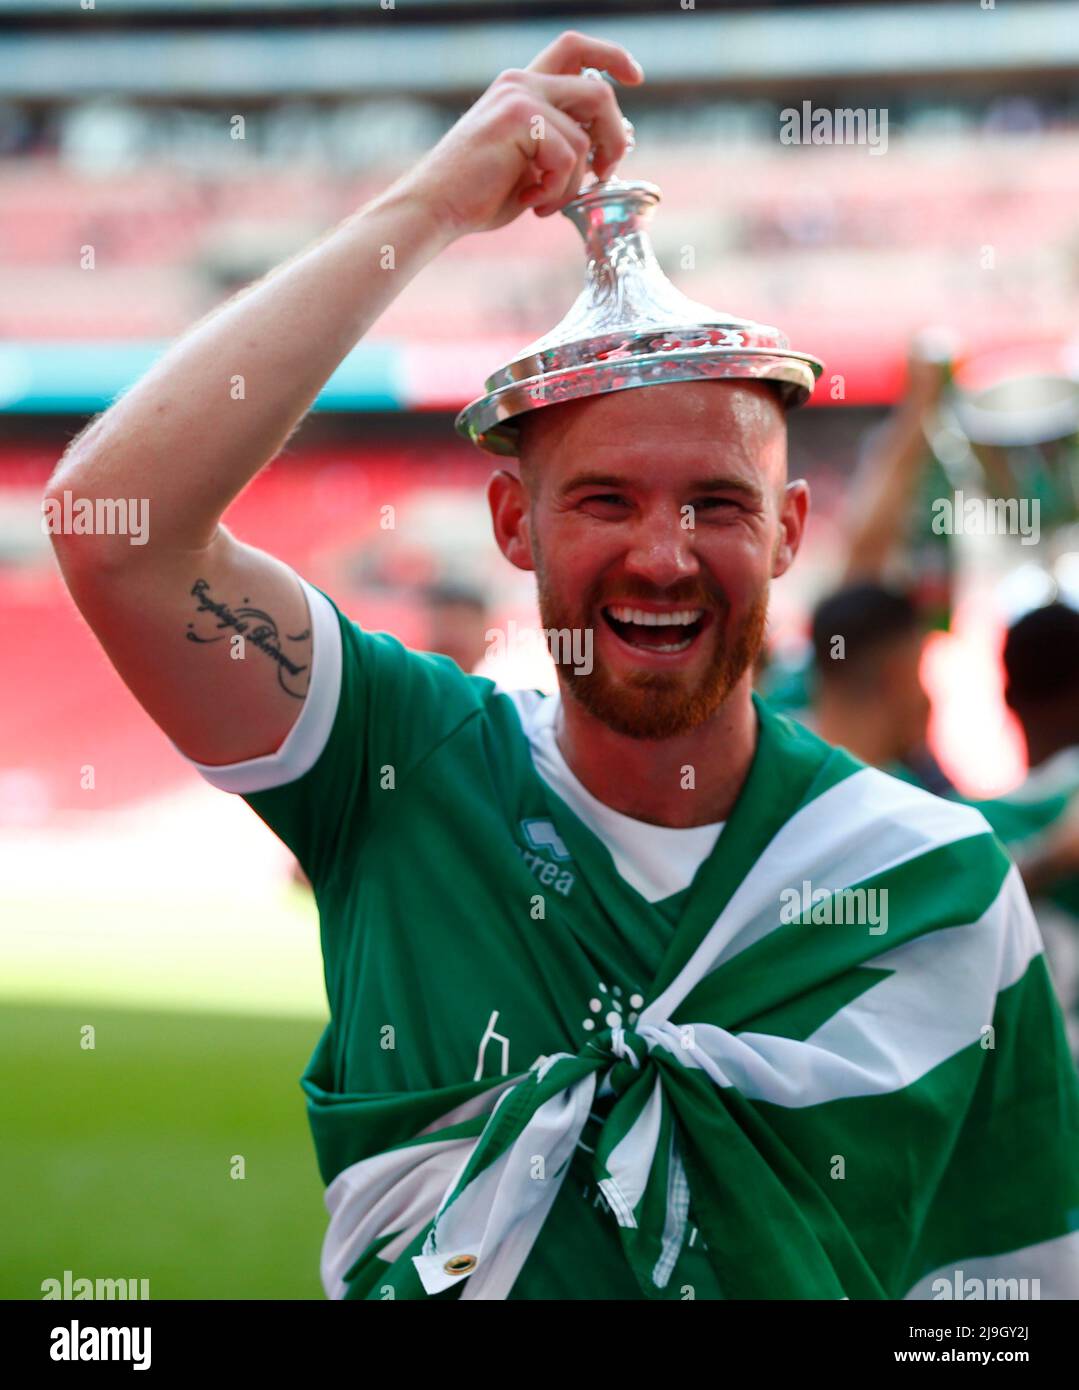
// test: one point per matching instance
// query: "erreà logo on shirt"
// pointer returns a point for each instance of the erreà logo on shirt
(547, 856)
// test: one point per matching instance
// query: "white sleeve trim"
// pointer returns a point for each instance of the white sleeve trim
(310, 734)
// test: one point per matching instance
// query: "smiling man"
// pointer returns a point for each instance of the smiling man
(578, 1048)
(668, 566)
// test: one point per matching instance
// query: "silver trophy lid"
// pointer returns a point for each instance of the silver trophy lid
(629, 327)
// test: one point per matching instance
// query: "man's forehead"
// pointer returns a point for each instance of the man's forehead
(740, 422)
(682, 410)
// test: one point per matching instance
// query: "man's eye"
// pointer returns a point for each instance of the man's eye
(607, 498)
(711, 503)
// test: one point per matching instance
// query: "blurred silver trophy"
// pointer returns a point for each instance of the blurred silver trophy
(1008, 427)
(1024, 430)
(629, 327)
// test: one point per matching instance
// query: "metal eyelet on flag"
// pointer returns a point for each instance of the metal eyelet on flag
(460, 1264)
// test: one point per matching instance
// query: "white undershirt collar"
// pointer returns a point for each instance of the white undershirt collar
(656, 860)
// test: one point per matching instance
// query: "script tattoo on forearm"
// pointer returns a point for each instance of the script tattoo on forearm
(256, 627)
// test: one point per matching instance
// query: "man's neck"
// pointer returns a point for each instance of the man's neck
(693, 779)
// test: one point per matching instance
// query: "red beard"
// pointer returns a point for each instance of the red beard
(653, 704)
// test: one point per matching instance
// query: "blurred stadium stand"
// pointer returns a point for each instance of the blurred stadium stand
(116, 135)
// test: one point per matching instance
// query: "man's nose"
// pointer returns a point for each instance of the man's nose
(662, 552)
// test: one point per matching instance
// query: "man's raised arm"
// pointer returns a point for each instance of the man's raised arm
(180, 441)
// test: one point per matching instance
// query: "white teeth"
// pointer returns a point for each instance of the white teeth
(635, 615)
(670, 646)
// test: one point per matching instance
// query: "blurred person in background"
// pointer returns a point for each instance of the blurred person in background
(894, 587)
(870, 700)
(888, 629)
(457, 615)
(1041, 665)
(1039, 821)
(868, 692)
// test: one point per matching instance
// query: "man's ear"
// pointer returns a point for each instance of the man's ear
(508, 500)
(793, 510)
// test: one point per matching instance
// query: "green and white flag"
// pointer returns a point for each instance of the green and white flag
(833, 1067)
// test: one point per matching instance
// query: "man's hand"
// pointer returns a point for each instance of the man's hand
(526, 142)
(928, 360)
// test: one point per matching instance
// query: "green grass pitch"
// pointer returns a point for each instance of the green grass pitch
(116, 1161)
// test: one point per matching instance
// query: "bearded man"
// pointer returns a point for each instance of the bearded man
(639, 991)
